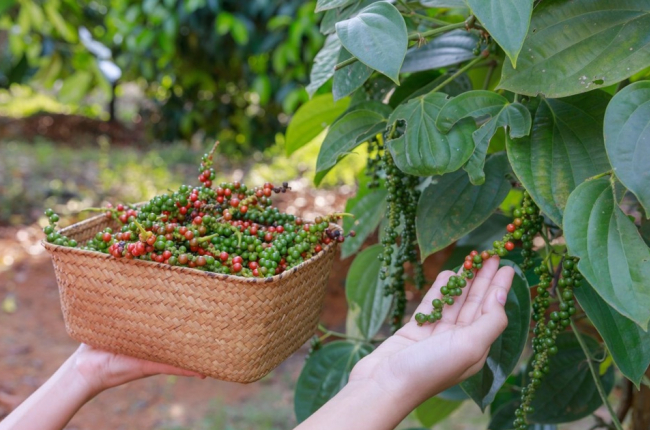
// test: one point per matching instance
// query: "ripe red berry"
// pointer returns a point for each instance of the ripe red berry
(201, 261)
(509, 246)
(120, 207)
(473, 253)
(223, 256)
(485, 255)
(467, 264)
(243, 209)
(107, 237)
(237, 259)
(236, 267)
(227, 192)
(268, 237)
(234, 202)
(511, 228)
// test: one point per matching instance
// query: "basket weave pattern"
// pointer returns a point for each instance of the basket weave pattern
(230, 328)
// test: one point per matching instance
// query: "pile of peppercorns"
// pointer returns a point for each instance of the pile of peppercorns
(230, 229)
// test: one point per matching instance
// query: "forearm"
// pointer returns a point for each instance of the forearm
(358, 406)
(54, 403)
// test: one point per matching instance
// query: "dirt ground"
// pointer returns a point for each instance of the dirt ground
(33, 343)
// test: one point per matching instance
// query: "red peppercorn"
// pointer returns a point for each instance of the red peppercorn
(509, 246)
(511, 228)
(467, 264)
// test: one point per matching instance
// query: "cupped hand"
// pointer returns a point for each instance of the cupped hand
(102, 370)
(419, 362)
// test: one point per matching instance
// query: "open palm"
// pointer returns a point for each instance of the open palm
(423, 361)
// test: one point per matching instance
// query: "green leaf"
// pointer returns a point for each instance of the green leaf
(602, 42)
(516, 117)
(333, 16)
(443, 3)
(59, 23)
(626, 342)
(368, 306)
(343, 136)
(368, 212)
(564, 148)
(451, 206)
(423, 150)
(475, 104)
(311, 119)
(350, 78)
(325, 374)
(627, 139)
(568, 392)
(75, 87)
(322, 5)
(479, 104)
(435, 410)
(446, 50)
(5, 5)
(507, 22)
(324, 63)
(507, 348)
(377, 37)
(613, 257)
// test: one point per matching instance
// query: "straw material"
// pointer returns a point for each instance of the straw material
(230, 328)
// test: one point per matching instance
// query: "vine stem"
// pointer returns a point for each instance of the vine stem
(596, 377)
(458, 73)
(327, 333)
(488, 76)
(414, 36)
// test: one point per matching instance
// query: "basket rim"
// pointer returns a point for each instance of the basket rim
(52, 248)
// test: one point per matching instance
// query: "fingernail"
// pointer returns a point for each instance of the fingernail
(502, 296)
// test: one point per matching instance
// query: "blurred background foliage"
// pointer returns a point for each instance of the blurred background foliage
(205, 69)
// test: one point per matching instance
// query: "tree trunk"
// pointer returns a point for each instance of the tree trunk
(111, 104)
(641, 410)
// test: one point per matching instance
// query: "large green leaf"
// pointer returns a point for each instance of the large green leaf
(325, 374)
(332, 16)
(311, 119)
(423, 150)
(443, 51)
(324, 62)
(368, 306)
(568, 392)
(368, 212)
(435, 410)
(377, 37)
(564, 148)
(451, 206)
(626, 342)
(344, 135)
(348, 79)
(5, 5)
(627, 139)
(506, 20)
(507, 348)
(577, 46)
(322, 5)
(613, 257)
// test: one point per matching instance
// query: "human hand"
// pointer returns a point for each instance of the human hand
(417, 363)
(102, 370)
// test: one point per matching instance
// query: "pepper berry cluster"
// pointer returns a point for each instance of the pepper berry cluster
(526, 224)
(232, 229)
(402, 202)
(546, 331)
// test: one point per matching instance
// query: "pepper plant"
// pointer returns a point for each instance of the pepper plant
(515, 128)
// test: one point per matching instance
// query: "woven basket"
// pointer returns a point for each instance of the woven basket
(227, 327)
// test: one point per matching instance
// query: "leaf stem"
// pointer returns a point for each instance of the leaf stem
(458, 73)
(327, 333)
(596, 377)
(488, 76)
(600, 175)
(345, 63)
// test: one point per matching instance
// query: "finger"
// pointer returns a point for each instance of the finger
(486, 328)
(476, 293)
(167, 369)
(501, 283)
(425, 306)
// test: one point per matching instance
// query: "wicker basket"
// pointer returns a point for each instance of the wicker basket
(227, 327)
